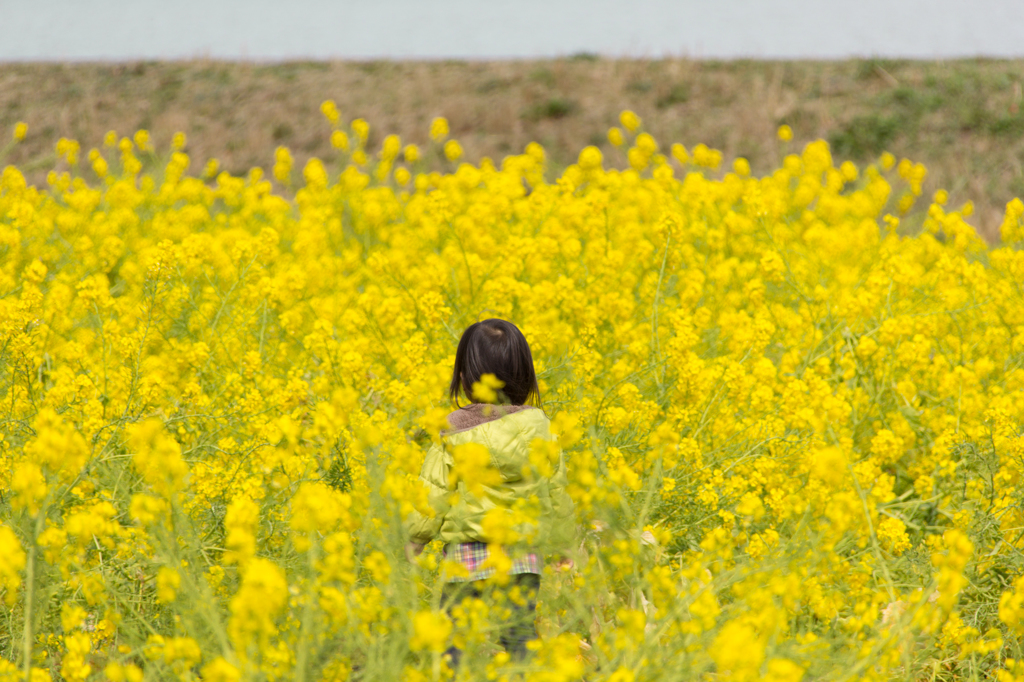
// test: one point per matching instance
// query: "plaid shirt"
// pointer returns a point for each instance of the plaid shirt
(472, 555)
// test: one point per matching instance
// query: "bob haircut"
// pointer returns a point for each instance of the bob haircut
(495, 347)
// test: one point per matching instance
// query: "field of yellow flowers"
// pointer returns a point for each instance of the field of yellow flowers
(794, 428)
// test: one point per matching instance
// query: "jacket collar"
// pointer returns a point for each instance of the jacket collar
(475, 414)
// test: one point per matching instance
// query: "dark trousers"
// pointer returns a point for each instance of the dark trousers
(518, 597)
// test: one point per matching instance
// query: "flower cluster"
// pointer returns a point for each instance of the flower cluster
(791, 408)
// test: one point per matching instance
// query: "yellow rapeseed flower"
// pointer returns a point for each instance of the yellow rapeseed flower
(629, 120)
(141, 139)
(438, 129)
(361, 129)
(283, 165)
(472, 469)
(430, 631)
(168, 581)
(452, 150)
(590, 158)
(339, 140)
(12, 562)
(411, 153)
(330, 111)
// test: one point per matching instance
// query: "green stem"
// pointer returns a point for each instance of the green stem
(876, 550)
(307, 613)
(30, 575)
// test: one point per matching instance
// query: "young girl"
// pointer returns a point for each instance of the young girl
(498, 348)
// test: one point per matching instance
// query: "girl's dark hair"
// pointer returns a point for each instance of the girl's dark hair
(495, 347)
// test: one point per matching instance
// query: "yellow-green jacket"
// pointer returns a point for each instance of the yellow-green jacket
(459, 513)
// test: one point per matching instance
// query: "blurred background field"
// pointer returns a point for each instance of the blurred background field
(960, 118)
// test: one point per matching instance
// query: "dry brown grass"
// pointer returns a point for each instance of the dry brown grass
(962, 119)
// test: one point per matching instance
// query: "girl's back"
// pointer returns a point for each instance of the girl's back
(508, 480)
